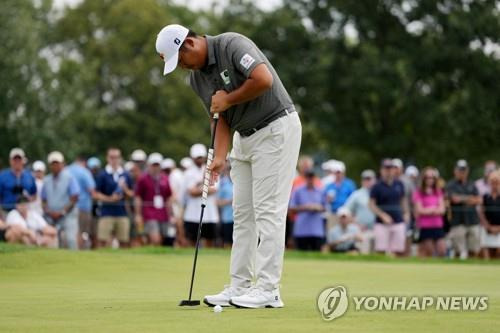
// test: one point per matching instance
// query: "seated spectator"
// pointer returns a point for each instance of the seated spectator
(359, 205)
(40, 233)
(225, 203)
(490, 218)
(343, 236)
(308, 203)
(151, 203)
(429, 209)
(113, 186)
(16, 181)
(482, 184)
(15, 234)
(387, 201)
(59, 197)
(464, 224)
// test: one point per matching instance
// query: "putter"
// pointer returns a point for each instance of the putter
(206, 181)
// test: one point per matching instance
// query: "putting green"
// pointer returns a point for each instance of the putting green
(138, 291)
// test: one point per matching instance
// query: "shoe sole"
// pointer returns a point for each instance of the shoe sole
(268, 306)
(225, 305)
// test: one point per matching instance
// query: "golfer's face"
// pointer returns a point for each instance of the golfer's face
(188, 59)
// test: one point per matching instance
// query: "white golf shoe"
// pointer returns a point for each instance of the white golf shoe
(258, 298)
(224, 296)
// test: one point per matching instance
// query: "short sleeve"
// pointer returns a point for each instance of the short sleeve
(244, 54)
(89, 181)
(416, 197)
(74, 188)
(32, 185)
(139, 187)
(100, 182)
(374, 192)
(294, 199)
(44, 191)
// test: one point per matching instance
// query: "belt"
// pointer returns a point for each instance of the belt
(260, 126)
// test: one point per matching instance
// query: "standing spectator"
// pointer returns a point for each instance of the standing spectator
(87, 190)
(329, 167)
(304, 165)
(225, 203)
(176, 181)
(490, 218)
(464, 224)
(39, 170)
(339, 191)
(344, 236)
(16, 181)
(137, 237)
(59, 197)
(152, 194)
(194, 189)
(429, 209)
(139, 157)
(359, 205)
(390, 207)
(94, 165)
(308, 203)
(41, 233)
(112, 186)
(482, 184)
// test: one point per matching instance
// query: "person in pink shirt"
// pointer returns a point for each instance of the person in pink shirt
(151, 201)
(429, 206)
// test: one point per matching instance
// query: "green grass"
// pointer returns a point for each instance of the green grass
(138, 291)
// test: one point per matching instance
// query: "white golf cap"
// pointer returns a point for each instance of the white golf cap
(344, 211)
(397, 163)
(411, 171)
(329, 165)
(39, 166)
(138, 155)
(168, 163)
(168, 42)
(155, 158)
(55, 156)
(368, 174)
(339, 167)
(186, 163)
(17, 152)
(128, 165)
(198, 150)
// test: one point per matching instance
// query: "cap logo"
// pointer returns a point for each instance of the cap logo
(177, 41)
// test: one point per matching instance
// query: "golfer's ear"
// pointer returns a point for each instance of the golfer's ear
(188, 43)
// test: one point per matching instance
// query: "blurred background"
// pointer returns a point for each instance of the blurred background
(413, 79)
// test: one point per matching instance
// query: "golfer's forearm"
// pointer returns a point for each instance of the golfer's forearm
(222, 139)
(259, 81)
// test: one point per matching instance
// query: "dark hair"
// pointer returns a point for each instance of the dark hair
(435, 186)
(22, 199)
(191, 33)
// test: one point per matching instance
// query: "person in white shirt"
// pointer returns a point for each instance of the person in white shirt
(40, 232)
(39, 170)
(193, 181)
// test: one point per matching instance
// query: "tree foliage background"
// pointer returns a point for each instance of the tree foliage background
(417, 79)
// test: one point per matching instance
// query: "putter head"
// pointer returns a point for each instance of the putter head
(189, 303)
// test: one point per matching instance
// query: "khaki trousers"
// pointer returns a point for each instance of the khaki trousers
(262, 171)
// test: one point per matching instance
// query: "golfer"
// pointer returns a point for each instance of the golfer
(235, 79)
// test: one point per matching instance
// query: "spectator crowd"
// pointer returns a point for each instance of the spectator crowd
(149, 200)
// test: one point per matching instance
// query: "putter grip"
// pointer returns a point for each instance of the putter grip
(206, 180)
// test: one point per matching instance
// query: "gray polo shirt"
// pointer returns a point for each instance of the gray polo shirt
(231, 59)
(462, 214)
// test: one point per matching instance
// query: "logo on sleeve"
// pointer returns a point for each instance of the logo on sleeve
(225, 76)
(247, 61)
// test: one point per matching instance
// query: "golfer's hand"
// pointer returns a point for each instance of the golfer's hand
(216, 168)
(219, 102)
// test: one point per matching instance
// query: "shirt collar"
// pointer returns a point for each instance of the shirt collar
(110, 170)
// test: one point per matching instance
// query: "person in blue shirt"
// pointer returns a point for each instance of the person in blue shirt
(113, 185)
(16, 181)
(87, 191)
(225, 203)
(339, 191)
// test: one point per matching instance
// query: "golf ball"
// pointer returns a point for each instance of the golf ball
(217, 309)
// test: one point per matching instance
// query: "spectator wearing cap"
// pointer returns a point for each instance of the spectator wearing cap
(359, 205)
(464, 223)
(59, 197)
(225, 204)
(151, 202)
(16, 181)
(39, 170)
(329, 168)
(388, 203)
(137, 237)
(86, 183)
(490, 218)
(176, 181)
(482, 184)
(343, 236)
(338, 192)
(429, 208)
(94, 165)
(308, 202)
(113, 186)
(193, 178)
(304, 165)
(40, 232)
(139, 157)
